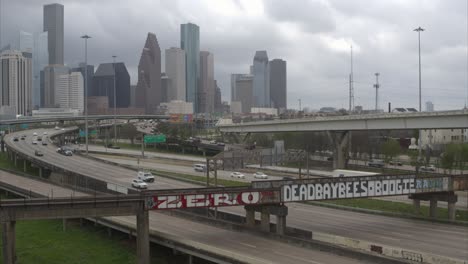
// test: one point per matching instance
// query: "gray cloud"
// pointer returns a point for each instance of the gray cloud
(312, 15)
(312, 36)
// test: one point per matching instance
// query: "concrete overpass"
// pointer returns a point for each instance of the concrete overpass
(338, 127)
(30, 120)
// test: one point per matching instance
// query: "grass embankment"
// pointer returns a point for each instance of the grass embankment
(6, 163)
(150, 148)
(201, 179)
(396, 207)
(44, 241)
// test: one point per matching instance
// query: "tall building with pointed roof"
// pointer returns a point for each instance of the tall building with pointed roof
(148, 90)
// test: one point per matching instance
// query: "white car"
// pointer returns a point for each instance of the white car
(260, 175)
(34, 134)
(139, 184)
(57, 128)
(45, 133)
(237, 175)
(34, 142)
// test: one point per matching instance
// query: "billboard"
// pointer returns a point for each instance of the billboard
(361, 187)
(181, 118)
(181, 201)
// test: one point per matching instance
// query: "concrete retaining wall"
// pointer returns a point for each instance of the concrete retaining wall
(388, 251)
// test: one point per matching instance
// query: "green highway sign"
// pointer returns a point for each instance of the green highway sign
(161, 138)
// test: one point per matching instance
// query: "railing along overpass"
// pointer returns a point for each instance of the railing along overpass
(339, 126)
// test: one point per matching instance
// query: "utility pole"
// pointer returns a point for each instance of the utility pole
(86, 37)
(376, 86)
(351, 85)
(115, 103)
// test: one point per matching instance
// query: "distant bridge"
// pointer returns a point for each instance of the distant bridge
(30, 120)
(386, 121)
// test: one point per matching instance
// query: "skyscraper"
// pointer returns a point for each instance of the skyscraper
(218, 107)
(175, 70)
(51, 78)
(53, 24)
(190, 43)
(206, 87)
(70, 91)
(15, 83)
(244, 90)
(26, 41)
(103, 84)
(234, 78)
(261, 80)
(148, 93)
(89, 71)
(429, 106)
(278, 85)
(37, 44)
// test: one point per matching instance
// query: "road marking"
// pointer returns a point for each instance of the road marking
(247, 245)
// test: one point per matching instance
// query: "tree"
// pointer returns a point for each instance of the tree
(390, 149)
(414, 158)
(449, 157)
(129, 131)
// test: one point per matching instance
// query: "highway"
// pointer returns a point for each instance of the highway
(239, 245)
(442, 239)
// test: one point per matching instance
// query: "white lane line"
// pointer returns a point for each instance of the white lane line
(247, 245)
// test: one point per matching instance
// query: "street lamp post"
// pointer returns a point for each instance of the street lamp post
(115, 103)
(419, 30)
(86, 37)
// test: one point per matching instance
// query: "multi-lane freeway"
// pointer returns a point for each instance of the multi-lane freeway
(239, 246)
(441, 239)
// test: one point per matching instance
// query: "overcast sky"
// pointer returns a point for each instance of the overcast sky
(313, 36)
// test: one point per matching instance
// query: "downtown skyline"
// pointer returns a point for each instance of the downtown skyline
(316, 47)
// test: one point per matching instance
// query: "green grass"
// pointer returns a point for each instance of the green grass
(44, 241)
(149, 148)
(202, 179)
(5, 163)
(396, 207)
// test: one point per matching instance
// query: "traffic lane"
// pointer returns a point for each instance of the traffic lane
(251, 248)
(81, 165)
(442, 239)
(445, 240)
(155, 165)
(461, 203)
(147, 154)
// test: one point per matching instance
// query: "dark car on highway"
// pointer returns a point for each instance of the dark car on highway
(38, 153)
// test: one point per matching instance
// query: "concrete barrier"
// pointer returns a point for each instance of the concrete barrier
(394, 252)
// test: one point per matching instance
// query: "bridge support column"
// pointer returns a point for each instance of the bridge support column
(24, 165)
(417, 206)
(433, 208)
(8, 239)
(280, 224)
(250, 217)
(339, 140)
(143, 249)
(451, 211)
(15, 159)
(41, 172)
(265, 220)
